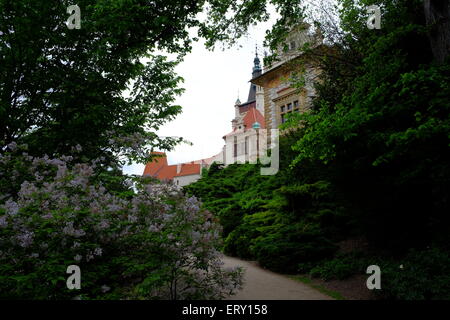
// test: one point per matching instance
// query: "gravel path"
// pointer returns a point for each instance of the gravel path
(261, 284)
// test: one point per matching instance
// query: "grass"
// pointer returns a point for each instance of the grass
(306, 280)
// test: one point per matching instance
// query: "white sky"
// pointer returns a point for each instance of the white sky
(212, 80)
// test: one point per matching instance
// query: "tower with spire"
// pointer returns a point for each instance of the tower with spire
(243, 142)
(256, 72)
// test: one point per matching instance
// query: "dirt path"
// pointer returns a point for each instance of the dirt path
(260, 284)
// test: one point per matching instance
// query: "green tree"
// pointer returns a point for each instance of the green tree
(62, 87)
(384, 138)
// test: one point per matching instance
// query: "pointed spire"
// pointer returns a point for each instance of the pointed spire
(257, 70)
(238, 102)
(256, 63)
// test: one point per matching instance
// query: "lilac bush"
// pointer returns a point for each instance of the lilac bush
(153, 243)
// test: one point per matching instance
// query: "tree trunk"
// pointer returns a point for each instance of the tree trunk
(437, 14)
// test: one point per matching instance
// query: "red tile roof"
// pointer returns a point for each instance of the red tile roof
(252, 116)
(247, 106)
(188, 169)
(158, 162)
(158, 168)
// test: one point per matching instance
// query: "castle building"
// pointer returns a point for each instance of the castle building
(245, 143)
(280, 96)
(272, 96)
(247, 140)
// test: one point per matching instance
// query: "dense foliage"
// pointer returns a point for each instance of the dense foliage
(370, 161)
(278, 221)
(60, 87)
(99, 94)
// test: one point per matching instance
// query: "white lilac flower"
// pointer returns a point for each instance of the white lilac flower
(105, 288)
(77, 257)
(132, 218)
(98, 251)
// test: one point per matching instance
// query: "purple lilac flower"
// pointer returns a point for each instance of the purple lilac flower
(25, 239)
(71, 231)
(12, 208)
(114, 207)
(62, 170)
(104, 224)
(3, 222)
(47, 216)
(12, 146)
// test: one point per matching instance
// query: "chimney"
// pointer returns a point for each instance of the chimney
(179, 168)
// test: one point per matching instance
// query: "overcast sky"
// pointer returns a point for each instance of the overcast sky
(212, 81)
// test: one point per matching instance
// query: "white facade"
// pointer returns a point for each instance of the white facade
(182, 181)
(245, 146)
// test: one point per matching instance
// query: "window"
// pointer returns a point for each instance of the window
(289, 106)
(235, 147)
(246, 145)
(296, 104)
(282, 108)
(283, 118)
